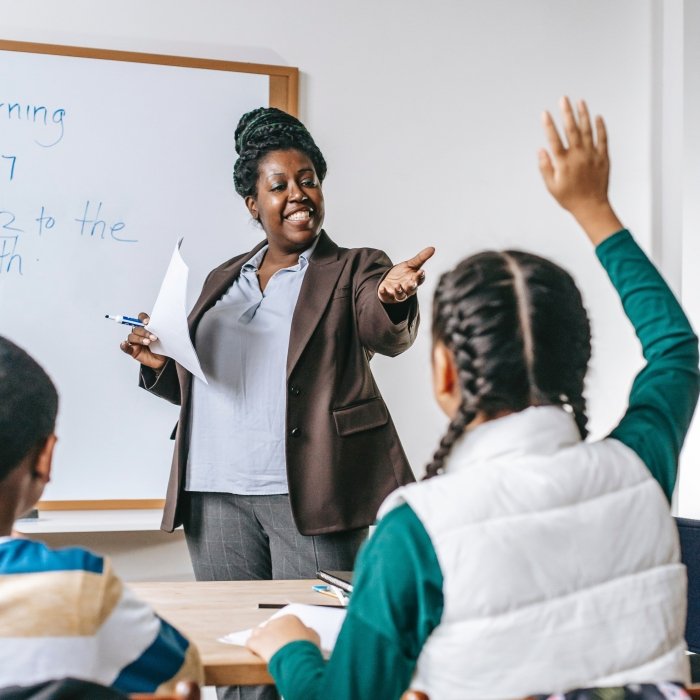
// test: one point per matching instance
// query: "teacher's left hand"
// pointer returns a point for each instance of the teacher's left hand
(403, 279)
(268, 639)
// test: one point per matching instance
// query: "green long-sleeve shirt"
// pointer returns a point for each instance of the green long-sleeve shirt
(397, 599)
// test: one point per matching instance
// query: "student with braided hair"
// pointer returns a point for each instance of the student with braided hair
(531, 561)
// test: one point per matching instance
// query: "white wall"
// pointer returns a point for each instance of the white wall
(689, 166)
(428, 114)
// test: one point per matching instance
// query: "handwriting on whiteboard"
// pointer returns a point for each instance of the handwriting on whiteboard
(47, 122)
(47, 125)
(90, 224)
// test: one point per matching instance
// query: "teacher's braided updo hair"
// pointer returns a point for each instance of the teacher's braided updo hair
(267, 129)
(520, 336)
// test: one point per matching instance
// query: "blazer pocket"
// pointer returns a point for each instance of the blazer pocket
(361, 416)
(342, 291)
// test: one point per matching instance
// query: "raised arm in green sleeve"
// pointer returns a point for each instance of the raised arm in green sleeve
(664, 393)
(396, 604)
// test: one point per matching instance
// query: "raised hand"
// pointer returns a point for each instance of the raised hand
(577, 172)
(403, 280)
(136, 345)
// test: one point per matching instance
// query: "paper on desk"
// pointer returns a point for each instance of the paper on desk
(326, 620)
(169, 317)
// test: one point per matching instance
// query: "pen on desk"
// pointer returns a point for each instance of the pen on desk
(277, 606)
(324, 589)
(340, 595)
(127, 321)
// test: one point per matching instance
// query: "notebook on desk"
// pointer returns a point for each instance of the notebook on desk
(341, 579)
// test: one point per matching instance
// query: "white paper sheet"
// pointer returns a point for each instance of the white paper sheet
(326, 620)
(169, 317)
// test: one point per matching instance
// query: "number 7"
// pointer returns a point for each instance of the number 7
(12, 167)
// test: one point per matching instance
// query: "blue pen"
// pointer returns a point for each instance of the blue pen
(127, 321)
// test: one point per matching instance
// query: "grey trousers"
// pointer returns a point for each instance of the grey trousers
(238, 538)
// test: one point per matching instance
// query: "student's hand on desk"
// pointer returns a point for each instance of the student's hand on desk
(268, 639)
(136, 345)
(577, 172)
(403, 280)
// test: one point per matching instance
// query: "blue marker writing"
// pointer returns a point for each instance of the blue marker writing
(127, 321)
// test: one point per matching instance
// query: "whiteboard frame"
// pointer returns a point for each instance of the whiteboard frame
(284, 80)
(284, 94)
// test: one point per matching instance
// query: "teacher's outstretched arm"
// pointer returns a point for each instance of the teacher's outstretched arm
(403, 280)
(386, 302)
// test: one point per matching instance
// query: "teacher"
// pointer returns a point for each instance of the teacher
(283, 458)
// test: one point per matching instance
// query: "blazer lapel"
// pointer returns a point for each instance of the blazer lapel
(212, 291)
(316, 290)
(215, 287)
(314, 295)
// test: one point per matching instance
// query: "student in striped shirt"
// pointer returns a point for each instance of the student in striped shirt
(64, 612)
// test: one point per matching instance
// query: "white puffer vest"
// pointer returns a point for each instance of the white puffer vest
(560, 562)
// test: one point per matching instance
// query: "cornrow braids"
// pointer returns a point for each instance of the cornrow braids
(262, 131)
(561, 335)
(466, 412)
(519, 334)
(454, 431)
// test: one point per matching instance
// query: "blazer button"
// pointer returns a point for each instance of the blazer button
(295, 432)
(294, 390)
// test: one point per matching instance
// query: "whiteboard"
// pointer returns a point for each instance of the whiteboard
(106, 159)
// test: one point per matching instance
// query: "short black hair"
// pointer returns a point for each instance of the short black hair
(28, 406)
(262, 131)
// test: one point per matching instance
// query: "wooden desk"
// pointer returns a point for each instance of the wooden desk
(206, 611)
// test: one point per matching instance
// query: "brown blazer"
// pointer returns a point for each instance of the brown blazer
(343, 453)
